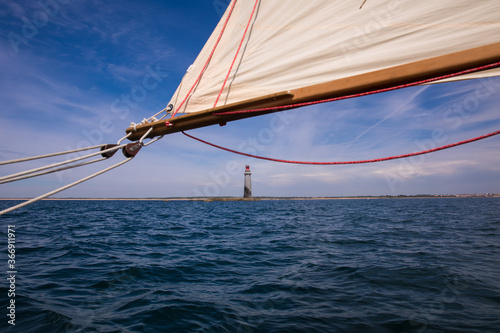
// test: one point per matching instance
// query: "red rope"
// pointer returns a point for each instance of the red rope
(208, 60)
(350, 162)
(237, 52)
(406, 85)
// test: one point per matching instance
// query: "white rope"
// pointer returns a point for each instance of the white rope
(63, 188)
(153, 140)
(22, 173)
(39, 171)
(141, 141)
(51, 171)
(49, 155)
(153, 118)
(167, 109)
(126, 136)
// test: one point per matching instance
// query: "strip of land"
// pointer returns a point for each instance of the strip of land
(210, 199)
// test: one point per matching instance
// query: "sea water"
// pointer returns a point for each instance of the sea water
(389, 265)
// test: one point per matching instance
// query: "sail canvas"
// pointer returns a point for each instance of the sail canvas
(279, 45)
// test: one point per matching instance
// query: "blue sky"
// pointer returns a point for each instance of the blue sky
(67, 67)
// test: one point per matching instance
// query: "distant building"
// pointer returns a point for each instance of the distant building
(247, 191)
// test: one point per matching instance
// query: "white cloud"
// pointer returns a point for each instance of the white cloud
(54, 97)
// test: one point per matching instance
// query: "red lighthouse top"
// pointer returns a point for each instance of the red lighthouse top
(247, 168)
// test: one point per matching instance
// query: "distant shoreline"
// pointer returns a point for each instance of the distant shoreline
(211, 199)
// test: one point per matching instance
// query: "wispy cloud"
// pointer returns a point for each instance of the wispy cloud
(91, 56)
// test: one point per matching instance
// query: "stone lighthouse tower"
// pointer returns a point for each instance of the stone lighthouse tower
(247, 192)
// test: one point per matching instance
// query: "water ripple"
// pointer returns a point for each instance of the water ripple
(412, 265)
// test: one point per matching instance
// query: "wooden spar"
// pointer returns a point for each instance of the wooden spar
(380, 79)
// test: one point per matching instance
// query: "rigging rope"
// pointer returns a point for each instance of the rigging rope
(22, 173)
(129, 150)
(372, 92)
(207, 62)
(348, 162)
(13, 179)
(43, 196)
(49, 155)
(237, 52)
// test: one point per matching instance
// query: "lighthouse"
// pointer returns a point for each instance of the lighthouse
(247, 191)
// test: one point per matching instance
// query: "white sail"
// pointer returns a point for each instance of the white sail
(297, 43)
